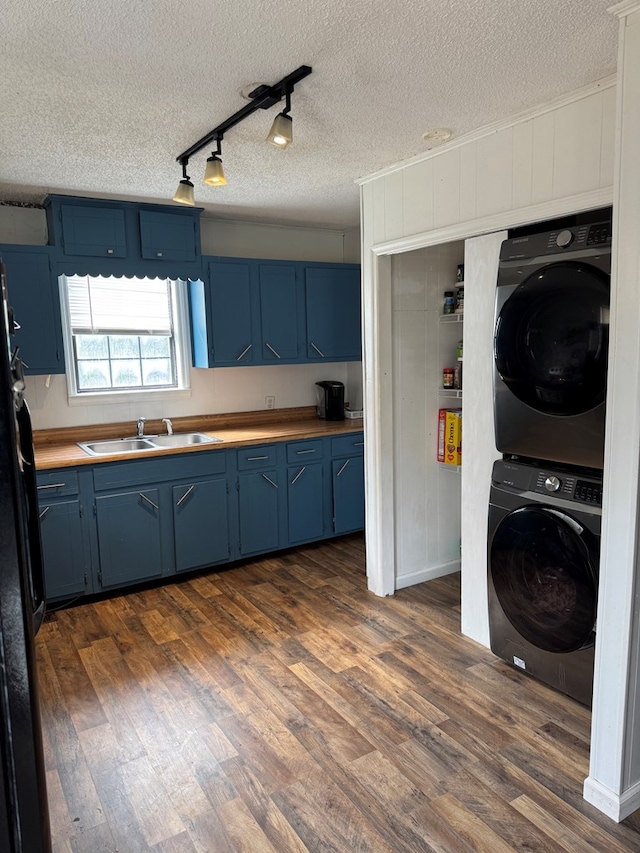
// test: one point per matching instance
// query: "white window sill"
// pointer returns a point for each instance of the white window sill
(106, 398)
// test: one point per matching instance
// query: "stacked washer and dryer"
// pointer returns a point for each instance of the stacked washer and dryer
(550, 370)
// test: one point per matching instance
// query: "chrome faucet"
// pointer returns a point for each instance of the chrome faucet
(140, 432)
(167, 421)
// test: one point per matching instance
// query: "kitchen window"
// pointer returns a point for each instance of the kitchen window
(124, 335)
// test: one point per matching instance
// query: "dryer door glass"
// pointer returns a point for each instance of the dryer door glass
(543, 568)
(552, 339)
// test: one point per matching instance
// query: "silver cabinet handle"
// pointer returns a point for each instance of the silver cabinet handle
(269, 480)
(110, 251)
(277, 354)
(158, 254)
(319, 351)
(301, 452)
(343, 467)
(52, 486)
(256, 458)
(244, 352)
(298, 475)
(148, 500)
(358, 444)
(186, 495)
(44, 512)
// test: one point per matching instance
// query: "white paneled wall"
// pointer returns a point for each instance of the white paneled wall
(562, 151)
(481, 268)
(212, 391)
(427, 497)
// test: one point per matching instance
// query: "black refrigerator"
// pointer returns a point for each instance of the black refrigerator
(24, 816)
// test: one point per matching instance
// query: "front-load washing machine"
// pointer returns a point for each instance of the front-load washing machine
(551, 344)
(543, 564)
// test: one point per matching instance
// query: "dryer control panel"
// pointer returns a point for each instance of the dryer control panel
(561, 483)
(568, 486)
(556, 242)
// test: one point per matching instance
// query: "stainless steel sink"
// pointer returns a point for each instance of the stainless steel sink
(115, 445)
(182, 439)
(152, 442)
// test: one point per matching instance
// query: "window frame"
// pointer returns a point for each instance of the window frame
(182, 349)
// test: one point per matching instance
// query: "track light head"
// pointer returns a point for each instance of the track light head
(214, 173)
(281, 133)
(184, 193)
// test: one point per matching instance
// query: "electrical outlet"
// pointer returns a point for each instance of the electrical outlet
(270, 402)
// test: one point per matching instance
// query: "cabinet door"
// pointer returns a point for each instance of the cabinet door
(230, 313)
(62, 549)
(33, 294)
(258, 500)
(167, 236)
(93, 231)
(201, 524)
(348, 494)
(305, 502)
(279, 312)
(129, 537)
(333, 313)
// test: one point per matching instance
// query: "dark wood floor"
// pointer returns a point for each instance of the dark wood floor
(279, 706)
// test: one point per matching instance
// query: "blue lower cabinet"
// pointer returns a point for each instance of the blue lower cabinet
(348, 494)
(65, 572)
(129, 537)
(305, 502)
(259, 511)
(201, 524)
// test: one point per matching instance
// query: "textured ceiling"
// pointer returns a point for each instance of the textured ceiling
(98, 98)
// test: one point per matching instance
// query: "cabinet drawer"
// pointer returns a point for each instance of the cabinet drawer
(180, 467)
(262, 456)
(53, 484)
(304, 451)
(347, 444)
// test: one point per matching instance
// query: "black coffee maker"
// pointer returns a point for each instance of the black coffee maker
(330, 400)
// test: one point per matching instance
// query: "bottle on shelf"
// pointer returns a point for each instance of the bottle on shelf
(449, 305)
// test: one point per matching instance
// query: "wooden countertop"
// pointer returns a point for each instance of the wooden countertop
(58, 448)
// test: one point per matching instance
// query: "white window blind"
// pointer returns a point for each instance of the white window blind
(119, 305)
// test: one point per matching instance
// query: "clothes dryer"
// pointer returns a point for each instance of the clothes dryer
(543, 565)
(551, 344)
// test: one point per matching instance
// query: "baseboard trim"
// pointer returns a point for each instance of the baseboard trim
(615, 806)
(428, 574)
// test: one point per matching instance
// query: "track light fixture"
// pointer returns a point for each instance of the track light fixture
(184, 193)
(280, 135)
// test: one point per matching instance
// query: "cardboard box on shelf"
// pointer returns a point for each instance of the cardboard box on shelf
(453, 437)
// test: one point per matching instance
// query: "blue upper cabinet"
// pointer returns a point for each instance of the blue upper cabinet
(229, 304)
(275, 312)
(105, 237)
(333, 313)
(93, 231)
(279, 312)
(168, 236)
(33, 295)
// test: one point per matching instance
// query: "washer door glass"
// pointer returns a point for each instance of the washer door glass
(552, 339)
(542, 564)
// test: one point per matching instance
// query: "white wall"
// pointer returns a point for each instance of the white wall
(216, 390)
(427, 495)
